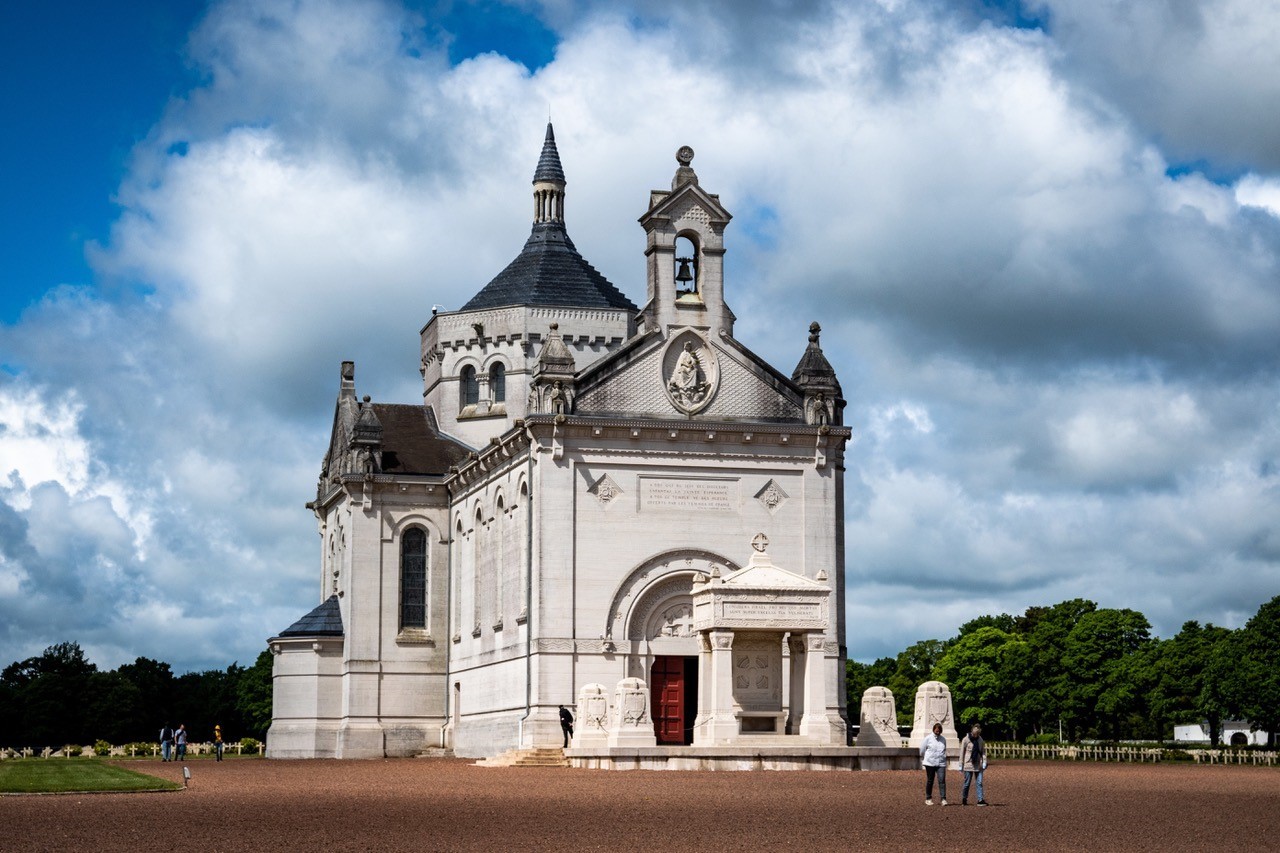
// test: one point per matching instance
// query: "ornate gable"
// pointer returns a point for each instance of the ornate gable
(686, 375)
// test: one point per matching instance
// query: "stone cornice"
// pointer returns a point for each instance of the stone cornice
(499, 454)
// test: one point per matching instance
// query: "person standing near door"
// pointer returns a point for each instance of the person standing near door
(566, 724)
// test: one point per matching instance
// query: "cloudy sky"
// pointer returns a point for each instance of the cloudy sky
(1043, 239)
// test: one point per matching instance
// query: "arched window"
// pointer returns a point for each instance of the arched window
(498, 382)
(413, 578)
(468, 387)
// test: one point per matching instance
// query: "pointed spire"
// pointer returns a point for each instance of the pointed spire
(817, 379)
(548, 186)
(368, 430)
(549, 169)
(555, 356)
(814, 370)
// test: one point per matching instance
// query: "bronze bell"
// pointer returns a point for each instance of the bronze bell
(683, 276)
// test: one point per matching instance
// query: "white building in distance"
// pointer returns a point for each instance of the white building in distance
(579, 474)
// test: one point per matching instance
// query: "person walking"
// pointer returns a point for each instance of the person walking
(566, 724)
(933, 757)
(180, 739)
(166, 742)
(973, 761)
(217, 741)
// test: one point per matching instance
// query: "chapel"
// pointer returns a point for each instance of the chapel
(613, 507)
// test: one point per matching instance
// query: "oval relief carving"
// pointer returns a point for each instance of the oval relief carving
(690, 372)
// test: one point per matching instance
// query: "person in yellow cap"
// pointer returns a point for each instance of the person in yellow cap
(217, 741)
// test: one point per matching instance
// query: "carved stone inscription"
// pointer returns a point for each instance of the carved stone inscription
(774, 611)
(681, 495)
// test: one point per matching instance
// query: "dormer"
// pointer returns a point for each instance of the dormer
(685, 251)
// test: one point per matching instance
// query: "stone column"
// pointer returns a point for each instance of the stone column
(723, 725)
(795, 701)
(704, 687)
(814, 721)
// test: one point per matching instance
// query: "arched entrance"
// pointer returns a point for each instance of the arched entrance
(653, 613)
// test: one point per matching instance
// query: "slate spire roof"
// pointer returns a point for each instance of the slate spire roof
(549, 270)
(549, 163)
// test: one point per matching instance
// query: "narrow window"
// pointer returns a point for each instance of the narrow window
(468, 387)
(498, 382)
(413, 578)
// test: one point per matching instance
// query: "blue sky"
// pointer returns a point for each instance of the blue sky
(1043, 237)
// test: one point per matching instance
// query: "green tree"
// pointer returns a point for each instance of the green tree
(253, 696)
(913, 667)
(1256, 677)
(977, 667)
(50, 691)
(859, 676)
(1100, 692)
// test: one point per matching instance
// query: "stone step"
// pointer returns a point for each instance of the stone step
(435, 752)
(535, 757)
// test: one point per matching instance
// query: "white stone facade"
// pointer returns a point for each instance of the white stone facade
(561, 534)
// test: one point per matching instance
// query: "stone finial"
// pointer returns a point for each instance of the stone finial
(685, 173)
(555, 356)
(814, 331)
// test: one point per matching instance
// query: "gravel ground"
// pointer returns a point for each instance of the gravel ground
(438, 804)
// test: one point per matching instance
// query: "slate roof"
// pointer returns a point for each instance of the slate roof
(411, 445)
(549, 161)
(549, 271)
(324, 621)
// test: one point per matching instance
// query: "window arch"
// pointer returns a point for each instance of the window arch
(498, 382)
(468, 387)
(413, 578)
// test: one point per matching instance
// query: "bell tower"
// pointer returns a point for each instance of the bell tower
(685, 252)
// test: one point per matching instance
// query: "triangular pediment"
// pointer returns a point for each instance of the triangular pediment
(766, 577)
(725, 382)
(678, 203)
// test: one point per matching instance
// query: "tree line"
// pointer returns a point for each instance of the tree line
(1090, 672)
(60, 698)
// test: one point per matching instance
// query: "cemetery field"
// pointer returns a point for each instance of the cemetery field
(438, 804)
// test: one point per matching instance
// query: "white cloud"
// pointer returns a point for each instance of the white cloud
(1254, 190)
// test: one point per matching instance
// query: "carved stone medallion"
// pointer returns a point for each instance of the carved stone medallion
(690, 372)
(772, 497)
(605, 489)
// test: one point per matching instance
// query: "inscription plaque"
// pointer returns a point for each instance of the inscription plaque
(779, 611)
(681, 495)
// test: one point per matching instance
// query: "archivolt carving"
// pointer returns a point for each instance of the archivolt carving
(642, 590)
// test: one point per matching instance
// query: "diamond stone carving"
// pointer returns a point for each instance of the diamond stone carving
(605, 490)
(772, 497)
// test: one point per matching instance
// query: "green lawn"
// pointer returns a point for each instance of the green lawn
(61, 775)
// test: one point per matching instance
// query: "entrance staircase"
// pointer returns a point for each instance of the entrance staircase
(537, 757)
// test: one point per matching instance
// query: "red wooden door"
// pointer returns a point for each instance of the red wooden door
(668, 699)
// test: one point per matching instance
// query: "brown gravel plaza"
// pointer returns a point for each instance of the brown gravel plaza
(437, 804)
